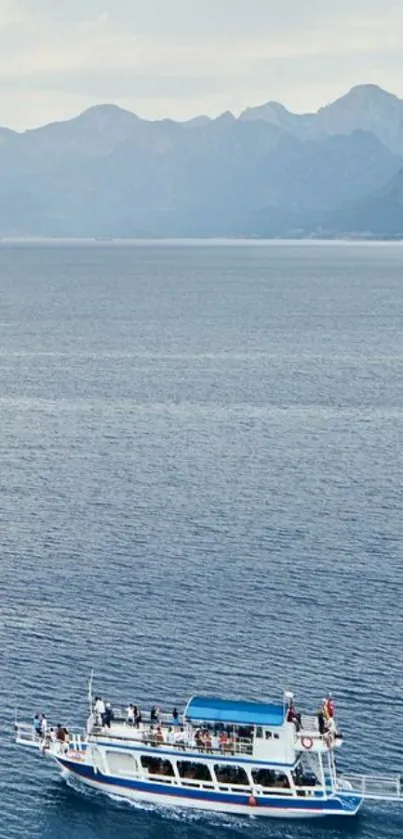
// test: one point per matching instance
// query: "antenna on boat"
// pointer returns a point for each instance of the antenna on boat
(90, 681)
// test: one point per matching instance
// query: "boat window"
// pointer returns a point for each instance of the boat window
(259, 732)
(195, 771)
(157, 766)
(228, 774)
(121, 763)
(269, 778)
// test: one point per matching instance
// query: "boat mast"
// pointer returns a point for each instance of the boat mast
(90, 698)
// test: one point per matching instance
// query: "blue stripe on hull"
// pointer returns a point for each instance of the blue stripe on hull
(333, 806)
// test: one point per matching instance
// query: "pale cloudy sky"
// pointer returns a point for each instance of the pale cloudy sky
(179, 58)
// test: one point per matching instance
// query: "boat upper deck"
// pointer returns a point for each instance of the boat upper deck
(219, 727)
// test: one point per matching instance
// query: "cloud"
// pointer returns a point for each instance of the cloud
(189, 56)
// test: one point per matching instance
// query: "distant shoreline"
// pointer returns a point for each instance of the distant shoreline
(189, 241)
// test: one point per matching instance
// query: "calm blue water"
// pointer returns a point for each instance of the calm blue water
(201, 490)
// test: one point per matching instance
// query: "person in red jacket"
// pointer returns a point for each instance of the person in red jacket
(330, 706)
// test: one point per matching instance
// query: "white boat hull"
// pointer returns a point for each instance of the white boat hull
(175, 800)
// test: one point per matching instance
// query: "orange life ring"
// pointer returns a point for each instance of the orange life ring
(307, 742)
(252, 801)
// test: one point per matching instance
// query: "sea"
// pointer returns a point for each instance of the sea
(200, 492)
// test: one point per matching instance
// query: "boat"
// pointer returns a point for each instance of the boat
(222, 755)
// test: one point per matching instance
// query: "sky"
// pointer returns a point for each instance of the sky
(180, 58)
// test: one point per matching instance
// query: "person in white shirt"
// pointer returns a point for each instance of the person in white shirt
(44, 726)
(99, 709)
(180, 738)
(215, 743)
(170, 736)
(130, 715)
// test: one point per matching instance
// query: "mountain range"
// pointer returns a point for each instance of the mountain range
(267, 173)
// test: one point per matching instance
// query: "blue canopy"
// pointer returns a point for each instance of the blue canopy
(211, 709)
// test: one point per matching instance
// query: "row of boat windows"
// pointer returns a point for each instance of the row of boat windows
(268, 734)
(191, 770)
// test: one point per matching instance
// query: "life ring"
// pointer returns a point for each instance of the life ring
(307, 742)
(252, 801)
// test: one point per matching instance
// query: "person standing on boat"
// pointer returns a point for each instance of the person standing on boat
(155, 713)
(61, 734)
(330, 706)
(321, 720)
(38, 724)
(99, 709)
(44, 725)
(108, 716)
(175, 717)
(171, 736)
(130, 715)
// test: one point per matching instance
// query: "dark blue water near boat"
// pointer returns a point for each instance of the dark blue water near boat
(201, 490)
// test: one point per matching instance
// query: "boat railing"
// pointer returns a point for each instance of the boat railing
(120, 715)
(146, 738)
(309, 723)
(375, 787)
(26, 735)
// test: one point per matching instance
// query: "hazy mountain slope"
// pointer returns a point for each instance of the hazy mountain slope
(379, 214)
(365, 107)
(108, 172)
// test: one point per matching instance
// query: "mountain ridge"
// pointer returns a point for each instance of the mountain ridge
(267, 172)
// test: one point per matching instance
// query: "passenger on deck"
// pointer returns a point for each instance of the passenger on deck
(130, 716)
(137, 716)
(38, 724)
(60, 734)
(330, 706)
(155, 714)
(44, 725)
(291, 713)
(170, 736)
(180, 737)
(99, 709)
(108, 716)
(321, 720)
(293, 716)
(159, 736)
(175, 717)
(198, 738)
(330, 727)
(215, 743)
(223, 741)
(207, 741)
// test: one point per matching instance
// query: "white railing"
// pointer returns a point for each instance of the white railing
(25, 735)
(120, 716)
(144, 737)
(309, 723)
(375, 787)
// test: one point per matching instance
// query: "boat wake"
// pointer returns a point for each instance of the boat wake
(185, 816)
